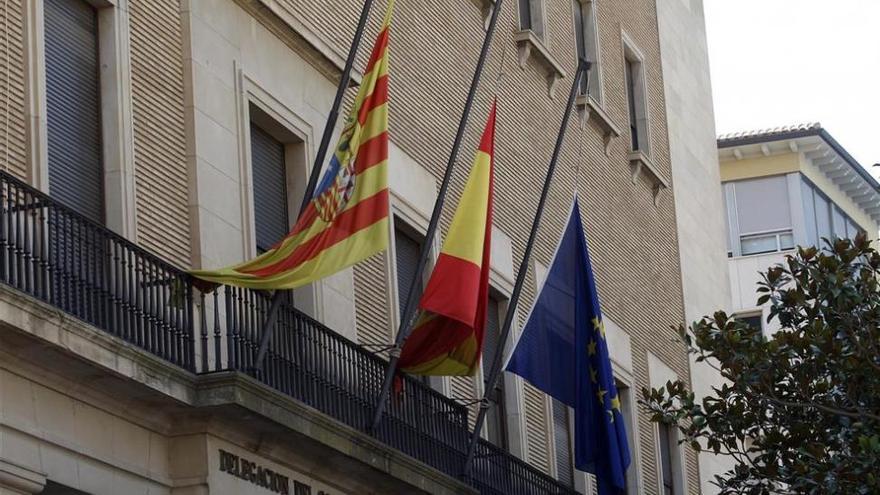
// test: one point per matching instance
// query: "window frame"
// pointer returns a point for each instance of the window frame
(638, 109)
(536, 18)
(115, 96)
(734, 235)
(588, 40)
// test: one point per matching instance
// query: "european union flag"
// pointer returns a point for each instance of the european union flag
(562, 351)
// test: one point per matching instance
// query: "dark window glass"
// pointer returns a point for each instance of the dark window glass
(580, 39)
(73, 108)
(271, 221)
(631, 98)
(752, 321)
(666, 458)
(525, 14)
(53, 488)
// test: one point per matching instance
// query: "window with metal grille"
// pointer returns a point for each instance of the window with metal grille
(73, 106)
(269, 172)
(496, 419)
(562, 442)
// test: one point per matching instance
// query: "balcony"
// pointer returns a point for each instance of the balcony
(54, 255)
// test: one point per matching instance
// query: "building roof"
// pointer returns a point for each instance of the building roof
(764, 135)
(782, 133)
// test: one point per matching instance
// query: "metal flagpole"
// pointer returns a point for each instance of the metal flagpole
(488, 395)
(269, 323)
(410, 307)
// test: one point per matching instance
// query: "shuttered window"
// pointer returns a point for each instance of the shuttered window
(562, 441)
(408, 251)
(73, 112)
(271, 222)
(491, 344)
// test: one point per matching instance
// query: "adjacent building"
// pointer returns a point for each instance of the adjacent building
(787, 187)
(141, 138)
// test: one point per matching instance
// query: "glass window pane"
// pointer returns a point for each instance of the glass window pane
(762, 205)
(852, 230)
(666, 458)
(786, 241)
(809, 213)
(838, 223)
(758, 244)
(525, 14)
(823, 217)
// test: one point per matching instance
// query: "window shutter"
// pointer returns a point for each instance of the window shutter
(408, 251)
(73, 114)
(762, 205)
(491, 336)
(562, 440)
(271, 221)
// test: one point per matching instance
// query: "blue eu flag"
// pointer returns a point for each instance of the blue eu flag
(562, 351)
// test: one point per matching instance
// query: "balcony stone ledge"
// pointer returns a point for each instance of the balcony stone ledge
(241, 397)
(44, 337)
(529, 46)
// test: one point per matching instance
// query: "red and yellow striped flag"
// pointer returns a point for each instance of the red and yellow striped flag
(347, 219)
(448, 336)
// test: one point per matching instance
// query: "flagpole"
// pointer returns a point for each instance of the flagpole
(410, 307)
(582, 69)
(269, 324)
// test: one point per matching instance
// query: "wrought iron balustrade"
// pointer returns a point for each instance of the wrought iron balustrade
(50, 252)
(56, 255)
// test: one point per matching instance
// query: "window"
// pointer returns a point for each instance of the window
(634, 80)
(531, 16)
(752, 320)
(53, 488)
(407, 251)
(667, 440)
(822, 218)
(73, 106)
(587, 42)
(759, 215)
(496, 419)
(269, 172)
(562, 442)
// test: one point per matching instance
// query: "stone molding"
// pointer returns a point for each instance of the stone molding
(19, 479)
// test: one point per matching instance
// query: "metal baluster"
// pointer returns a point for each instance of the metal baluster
(26, 251)
(189, 345)
(230, 354)
(204, 328)
(217, 356)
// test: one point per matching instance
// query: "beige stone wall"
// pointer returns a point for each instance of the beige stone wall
(434, 50)
(187, 72)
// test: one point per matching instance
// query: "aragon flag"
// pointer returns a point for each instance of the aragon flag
(448, 335)
(347, 218)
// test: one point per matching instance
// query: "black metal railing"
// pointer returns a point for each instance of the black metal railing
(54, 254)
(49, 251)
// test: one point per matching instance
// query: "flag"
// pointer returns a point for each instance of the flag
(448, 335)
(347, 218)
(562, 351)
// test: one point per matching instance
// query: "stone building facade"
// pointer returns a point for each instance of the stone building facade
(187, 100)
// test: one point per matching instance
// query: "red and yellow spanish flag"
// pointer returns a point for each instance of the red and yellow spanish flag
(448, 336)
(347, 219)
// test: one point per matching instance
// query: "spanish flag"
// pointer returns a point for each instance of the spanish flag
(347, 219)
(448, 335)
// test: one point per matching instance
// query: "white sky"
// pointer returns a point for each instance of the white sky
(781, 62)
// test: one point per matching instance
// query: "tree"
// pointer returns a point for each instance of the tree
(799, 410)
